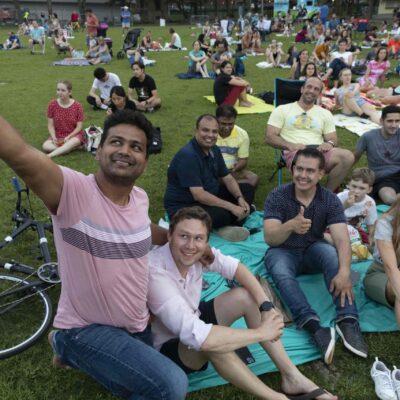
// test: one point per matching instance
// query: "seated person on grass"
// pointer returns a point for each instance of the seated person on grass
(274, 53)
(145, 87)
(339, 59)
(119, 101)
(376, 71)
(234, 144)
(197, 62)
(64, 122)
(296, 215)
(295, 126)
(37, 35)
(321, 52)
(192, 332)
(103, 82)
(197, 175)
(102, 54)
(61, 42)
(382, 147)
(221, 55)
(228, 88)
(12, 42)
(382, 280)
(387, 96)
(348, 96)
(359, 208)
(176, 42)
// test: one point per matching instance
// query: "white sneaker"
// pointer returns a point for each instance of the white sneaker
(383, 381)
(396, 380)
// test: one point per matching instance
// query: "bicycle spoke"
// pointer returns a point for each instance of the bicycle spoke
(24, 315)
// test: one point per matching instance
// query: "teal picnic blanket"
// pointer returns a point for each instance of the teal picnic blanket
(297, 343)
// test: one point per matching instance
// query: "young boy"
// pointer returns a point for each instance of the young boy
(359, 208)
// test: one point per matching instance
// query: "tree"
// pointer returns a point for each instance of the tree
(17, 6)
(49, 7)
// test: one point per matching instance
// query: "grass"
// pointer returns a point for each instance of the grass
(28, 83)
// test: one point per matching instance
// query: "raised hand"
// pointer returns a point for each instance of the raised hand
(301, 225)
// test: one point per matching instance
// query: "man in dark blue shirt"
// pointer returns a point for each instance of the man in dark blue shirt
(197, 175)
(296, 216)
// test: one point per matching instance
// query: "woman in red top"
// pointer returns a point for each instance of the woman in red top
(65, 121)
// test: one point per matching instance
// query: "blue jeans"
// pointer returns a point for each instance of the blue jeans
(126, 364)
(285, 264)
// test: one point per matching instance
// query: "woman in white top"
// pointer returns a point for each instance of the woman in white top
(176, 42)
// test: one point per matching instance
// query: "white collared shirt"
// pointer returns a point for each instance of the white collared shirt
(175, 300)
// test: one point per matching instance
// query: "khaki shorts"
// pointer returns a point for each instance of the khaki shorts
(375, 283)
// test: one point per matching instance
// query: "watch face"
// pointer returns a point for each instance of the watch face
(266, 306)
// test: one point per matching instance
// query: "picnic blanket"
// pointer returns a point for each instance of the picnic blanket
(80, 62)
(259, 106)
(297, 343)
(197, 75)
(356, 125)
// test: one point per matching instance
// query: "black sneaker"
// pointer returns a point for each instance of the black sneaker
(352, 338)
(324, 339)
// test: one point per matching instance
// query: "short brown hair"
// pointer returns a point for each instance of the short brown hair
(195, 212)
(364, 175)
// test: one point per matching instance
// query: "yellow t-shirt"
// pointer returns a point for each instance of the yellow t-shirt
(235, 146)
(298, 126)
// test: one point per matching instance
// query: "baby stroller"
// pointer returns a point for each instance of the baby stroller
(130, 42)
(102, 29)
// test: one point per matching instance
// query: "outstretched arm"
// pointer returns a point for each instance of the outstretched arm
(41, 174)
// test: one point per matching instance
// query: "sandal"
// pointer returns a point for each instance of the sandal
(307, 396)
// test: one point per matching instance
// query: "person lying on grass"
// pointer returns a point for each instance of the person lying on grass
(192, 332)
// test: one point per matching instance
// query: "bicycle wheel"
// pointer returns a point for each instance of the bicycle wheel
(25, 315)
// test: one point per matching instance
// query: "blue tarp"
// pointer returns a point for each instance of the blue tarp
(297, 343)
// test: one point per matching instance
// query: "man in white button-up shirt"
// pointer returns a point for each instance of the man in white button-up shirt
(191, 332)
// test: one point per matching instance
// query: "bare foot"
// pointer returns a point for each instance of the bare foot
(297, 383)
(57, 362)
(245, 104)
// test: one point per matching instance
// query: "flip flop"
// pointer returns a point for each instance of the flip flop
(307, 396)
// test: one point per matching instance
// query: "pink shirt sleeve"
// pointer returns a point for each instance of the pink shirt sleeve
(166, 302)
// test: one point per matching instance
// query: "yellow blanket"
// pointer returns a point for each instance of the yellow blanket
(259, 106)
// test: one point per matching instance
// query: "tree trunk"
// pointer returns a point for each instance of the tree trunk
(17, 6)
(370, 9)
(49, 8)
(82, 7)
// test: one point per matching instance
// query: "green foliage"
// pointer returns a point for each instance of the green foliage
(28, 83)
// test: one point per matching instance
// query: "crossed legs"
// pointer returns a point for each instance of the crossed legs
(54, 150)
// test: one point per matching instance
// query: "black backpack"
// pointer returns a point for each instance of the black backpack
(156, 143)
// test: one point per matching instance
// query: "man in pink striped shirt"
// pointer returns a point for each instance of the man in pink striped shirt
(103, 234)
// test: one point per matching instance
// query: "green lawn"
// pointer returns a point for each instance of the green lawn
(27, 84)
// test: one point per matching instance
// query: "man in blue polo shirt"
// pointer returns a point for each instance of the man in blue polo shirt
(296, 216)
(197, 175)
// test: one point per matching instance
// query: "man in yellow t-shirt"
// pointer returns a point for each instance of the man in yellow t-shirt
(234, 142)
(295, 126)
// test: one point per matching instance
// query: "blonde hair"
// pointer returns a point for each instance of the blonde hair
(394, 211)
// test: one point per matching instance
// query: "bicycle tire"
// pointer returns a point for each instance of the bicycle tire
(24, 317)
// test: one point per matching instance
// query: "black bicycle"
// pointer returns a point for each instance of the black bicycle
(25, 307)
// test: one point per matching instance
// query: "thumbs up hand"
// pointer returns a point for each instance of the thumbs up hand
(301, 225)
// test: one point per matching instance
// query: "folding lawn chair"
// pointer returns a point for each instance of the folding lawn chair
(41, 49)
(285, 91)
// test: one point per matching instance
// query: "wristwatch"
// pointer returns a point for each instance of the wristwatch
(331, 142)
(266, 306)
